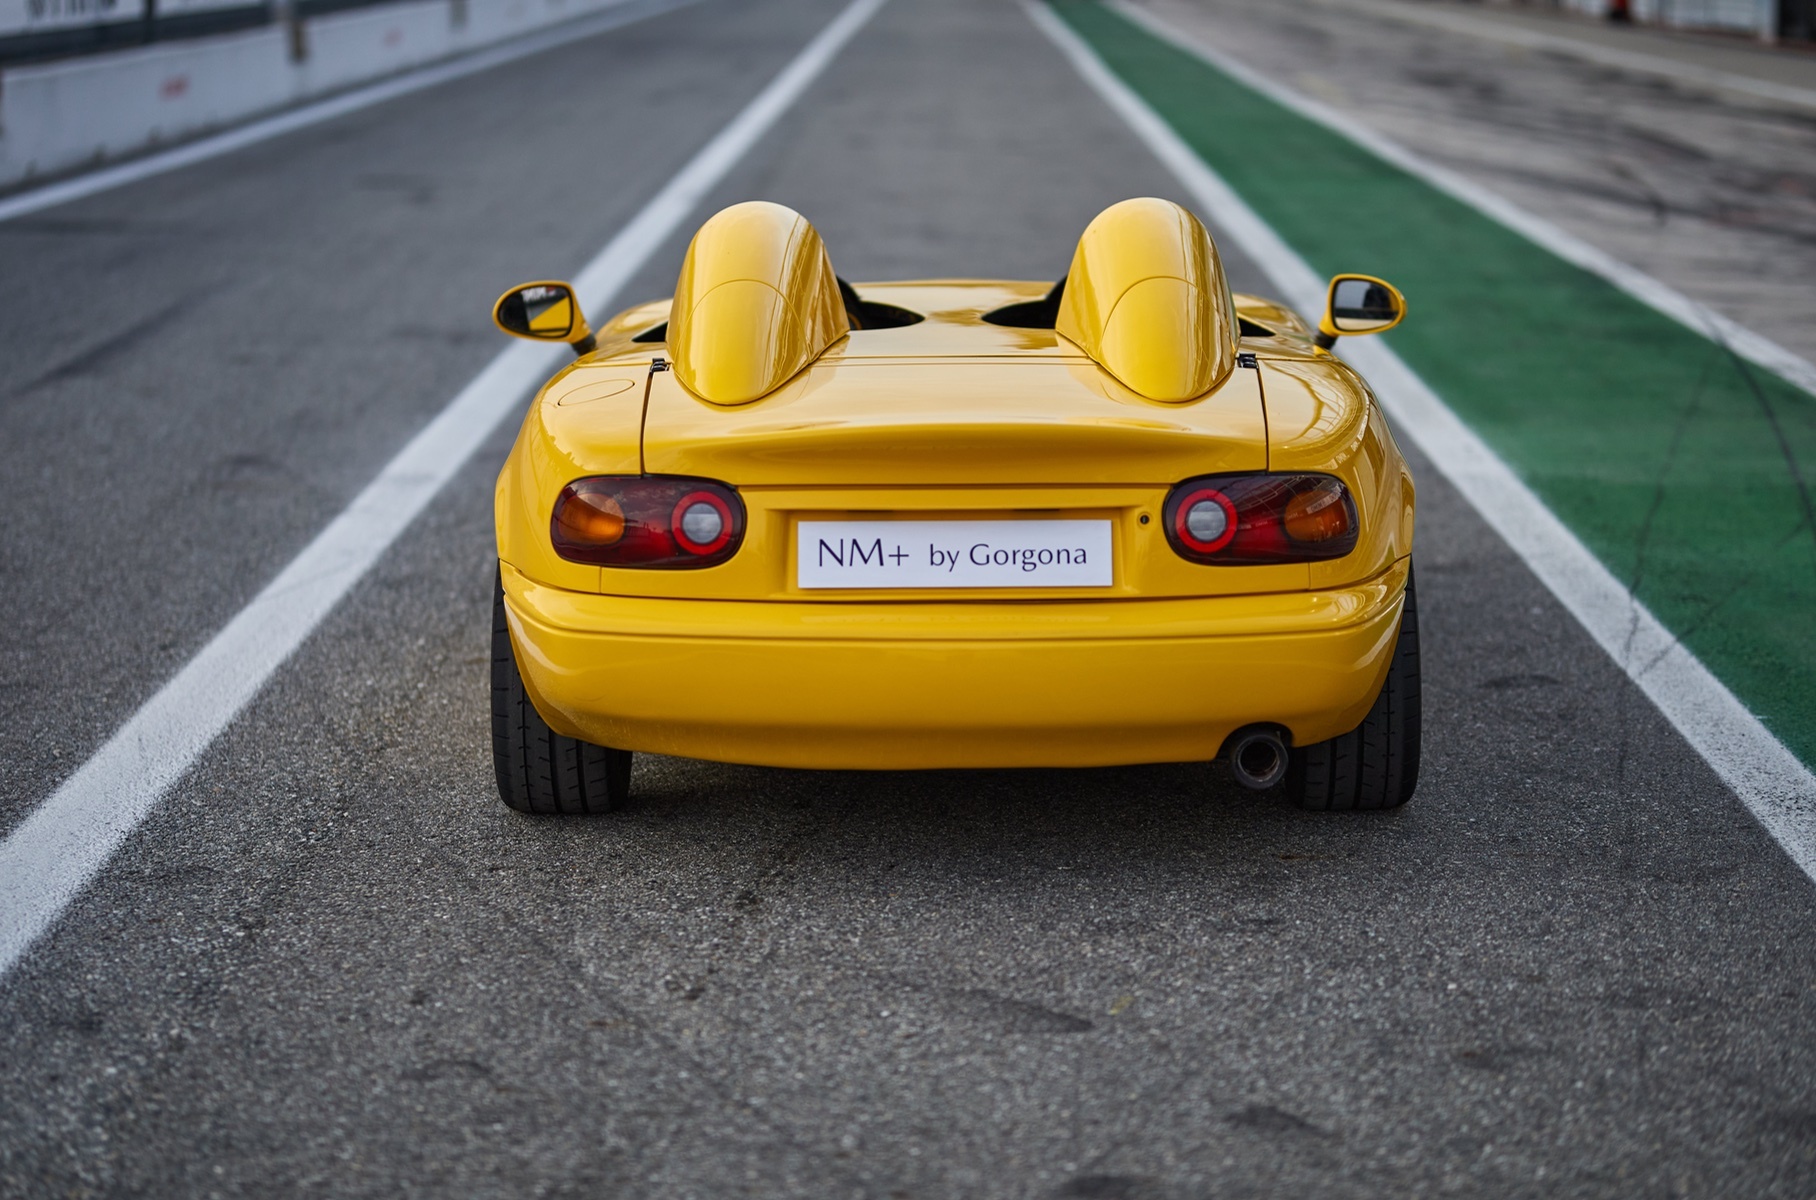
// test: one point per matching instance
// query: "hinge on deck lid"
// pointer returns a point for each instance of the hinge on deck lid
(658, 363)
(1245, 359)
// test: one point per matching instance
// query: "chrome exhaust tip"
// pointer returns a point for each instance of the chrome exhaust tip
(1258, 759)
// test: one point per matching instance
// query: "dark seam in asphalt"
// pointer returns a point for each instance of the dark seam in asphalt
(1055, 1020)
(1644, 542)
(1680, 637)
(98, 355)
(1689, 411)
(1784, 444)
(699, 1071)
(219, 959)
(1661, 211)
(1808, 504)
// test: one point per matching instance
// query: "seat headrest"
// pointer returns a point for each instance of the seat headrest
(756, 303)
(1147, 300)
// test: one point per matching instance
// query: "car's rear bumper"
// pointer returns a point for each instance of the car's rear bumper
(951, 684)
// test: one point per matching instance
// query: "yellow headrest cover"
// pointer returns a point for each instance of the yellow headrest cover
(756, 303)
(1146, 298)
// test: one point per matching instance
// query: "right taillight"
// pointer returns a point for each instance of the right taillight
(1244, 519)
(647, 521)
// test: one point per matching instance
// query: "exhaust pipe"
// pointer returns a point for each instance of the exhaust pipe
(1258, 759)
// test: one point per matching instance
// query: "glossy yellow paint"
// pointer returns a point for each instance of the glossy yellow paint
(1322, 417)
(1161, 667)
(964, 683)
(757, 302)
(560, 441)
(953, 421)
(952, 418)
(1146, 298)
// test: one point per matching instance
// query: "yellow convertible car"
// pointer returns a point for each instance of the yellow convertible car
(1127, 518)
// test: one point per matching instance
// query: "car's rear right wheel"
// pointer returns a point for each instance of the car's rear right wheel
(541, 771)
(1376, 764)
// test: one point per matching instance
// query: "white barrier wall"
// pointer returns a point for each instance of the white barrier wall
(1758, 17)
(56, 117)
(1742, 16)
(42, 16)
(349, 48)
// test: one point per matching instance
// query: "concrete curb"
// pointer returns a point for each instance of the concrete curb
(57, 117)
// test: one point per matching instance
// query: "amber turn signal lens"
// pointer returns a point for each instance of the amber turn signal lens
(1318, 515)
(590, 519)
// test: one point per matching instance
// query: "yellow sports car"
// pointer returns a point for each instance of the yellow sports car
(1127, 518)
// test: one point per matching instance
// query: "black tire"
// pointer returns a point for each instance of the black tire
(539, 770)
(1376, 764)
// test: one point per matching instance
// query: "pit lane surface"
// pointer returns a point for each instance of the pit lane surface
(331, 962)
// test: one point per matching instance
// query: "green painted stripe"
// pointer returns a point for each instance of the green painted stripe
(1687, 470)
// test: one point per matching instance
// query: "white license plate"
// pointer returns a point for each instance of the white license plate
(952, 554)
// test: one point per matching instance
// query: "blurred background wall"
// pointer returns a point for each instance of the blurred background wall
(35, 30)
(82, 90)
(1767, 19)
(84, 81)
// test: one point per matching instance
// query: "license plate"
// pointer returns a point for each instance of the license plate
(953, 554)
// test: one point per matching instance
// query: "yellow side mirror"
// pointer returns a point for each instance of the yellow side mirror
(547, 311)
(1359, 304)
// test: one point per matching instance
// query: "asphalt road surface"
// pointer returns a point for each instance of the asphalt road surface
(332, 963)
(1712, 192)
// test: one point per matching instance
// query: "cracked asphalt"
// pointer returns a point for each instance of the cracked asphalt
(331, 963)
(1711, 193)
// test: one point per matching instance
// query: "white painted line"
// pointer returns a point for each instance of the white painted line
(1778, 789)
(1659, 65)
(47, 861)
(1567, 246)
(214, 145)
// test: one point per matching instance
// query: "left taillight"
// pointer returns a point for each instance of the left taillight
(647, 521)
(1239, 520)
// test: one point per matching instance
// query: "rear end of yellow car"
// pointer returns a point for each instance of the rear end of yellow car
(945, 542)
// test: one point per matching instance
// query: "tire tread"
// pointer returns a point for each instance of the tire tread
(1375, 765)
(538, 770)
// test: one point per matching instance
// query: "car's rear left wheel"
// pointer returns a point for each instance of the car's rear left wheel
(1376, 764)
(541, 771)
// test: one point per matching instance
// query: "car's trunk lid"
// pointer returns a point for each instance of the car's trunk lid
(868, 422)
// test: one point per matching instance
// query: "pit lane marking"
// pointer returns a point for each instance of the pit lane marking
(1772, 782)
(1653, 293)
(49, 859)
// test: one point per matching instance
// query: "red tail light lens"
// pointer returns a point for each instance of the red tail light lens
(1206, 521)
(1245, 519)
(703, 522)
(647, 521)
